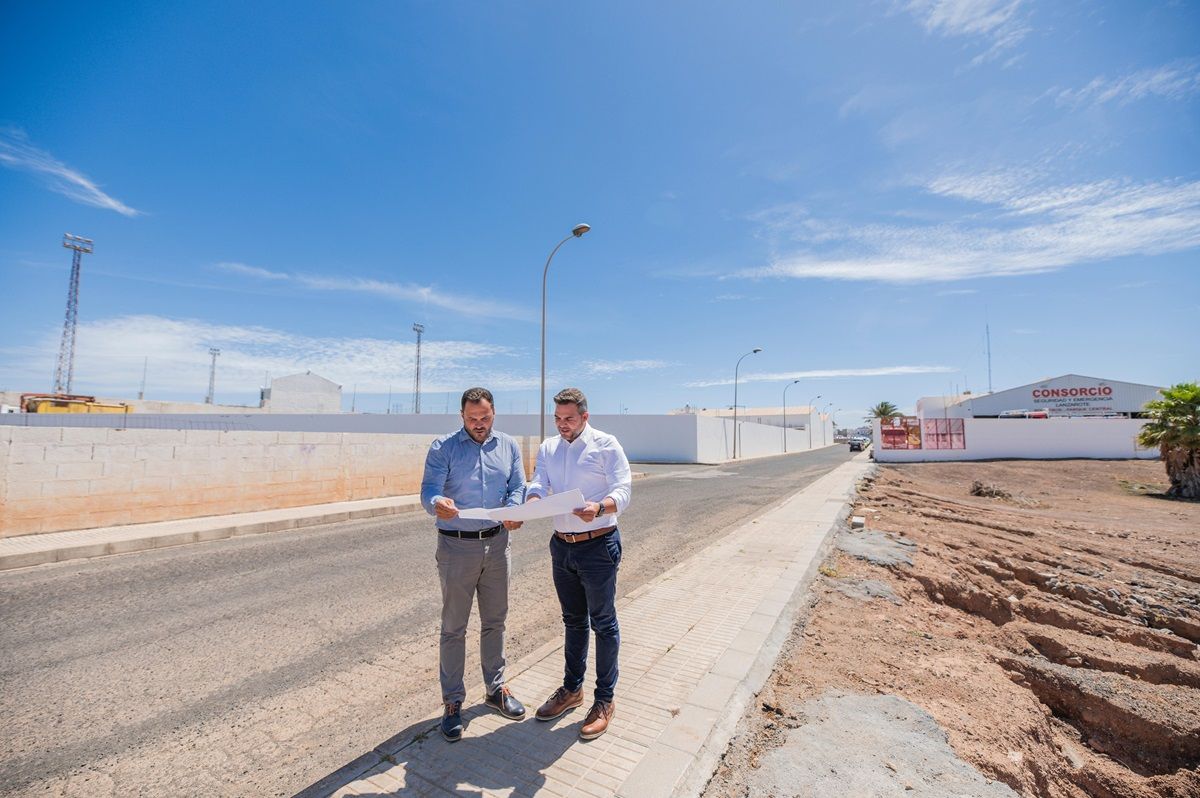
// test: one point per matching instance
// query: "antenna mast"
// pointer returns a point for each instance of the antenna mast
(418, 329)
(212, 375)
(64, 372)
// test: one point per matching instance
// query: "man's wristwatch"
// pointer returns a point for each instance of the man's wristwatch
(600, 508)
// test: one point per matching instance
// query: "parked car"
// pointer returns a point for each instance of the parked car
(858, 444)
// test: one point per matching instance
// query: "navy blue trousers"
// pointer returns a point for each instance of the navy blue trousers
(585, 577)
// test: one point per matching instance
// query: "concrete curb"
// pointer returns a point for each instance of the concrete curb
(695, 779)
(124, 540)
(25, 551)
(665, 773)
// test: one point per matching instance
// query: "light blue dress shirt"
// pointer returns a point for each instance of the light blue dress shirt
(488, 475)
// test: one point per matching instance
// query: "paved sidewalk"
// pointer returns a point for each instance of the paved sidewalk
(26, 550)
(697, 644)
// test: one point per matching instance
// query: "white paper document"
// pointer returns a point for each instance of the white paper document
(558, 504)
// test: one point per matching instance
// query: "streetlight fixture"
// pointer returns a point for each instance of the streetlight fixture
(823, 409)
(755, 351)
(810, 418)
(576, 231)
(789, 385)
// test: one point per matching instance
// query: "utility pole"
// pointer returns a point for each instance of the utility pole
(212, 374)
(64, 372)
(987, 330)
(418, 329)
(142, 390)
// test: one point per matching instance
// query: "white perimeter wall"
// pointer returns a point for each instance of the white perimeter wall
(645, 438)
(1033, 439)
(65, 477)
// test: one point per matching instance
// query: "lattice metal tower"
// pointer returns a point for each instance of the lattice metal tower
(64, 372)
(418, 329)
(212, 375)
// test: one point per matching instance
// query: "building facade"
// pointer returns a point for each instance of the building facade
(1068, 396)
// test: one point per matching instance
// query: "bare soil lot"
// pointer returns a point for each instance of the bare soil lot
(1046, 615)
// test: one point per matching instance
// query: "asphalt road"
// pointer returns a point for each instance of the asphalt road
(256, 665)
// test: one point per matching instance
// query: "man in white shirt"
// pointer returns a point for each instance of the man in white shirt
(585, 551)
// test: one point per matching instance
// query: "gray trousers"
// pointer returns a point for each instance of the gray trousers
(467, 568)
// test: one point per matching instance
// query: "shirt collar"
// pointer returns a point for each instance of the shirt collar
(585, 435)
(465, 436)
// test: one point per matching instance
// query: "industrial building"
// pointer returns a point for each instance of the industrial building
(302, 393)
(1062, 417)
(1068, 396)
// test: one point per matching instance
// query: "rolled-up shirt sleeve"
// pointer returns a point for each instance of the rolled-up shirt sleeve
(437, 468)
(620, 479)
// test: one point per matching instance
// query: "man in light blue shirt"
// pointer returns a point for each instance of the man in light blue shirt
(473, 467)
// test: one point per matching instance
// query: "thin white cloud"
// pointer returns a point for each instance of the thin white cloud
(1017, 225)
(606, 368)
(17, 153)
(958, 292)
(251, 271)
(823, 374)
(1175, 81)
(110, 352)
(996, 21)
(402, 292)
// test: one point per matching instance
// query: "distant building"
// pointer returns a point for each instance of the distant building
(302, 393)
(793, 417)
(1071, 395)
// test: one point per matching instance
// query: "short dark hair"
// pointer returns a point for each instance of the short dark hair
(571, 396)
(477, 395)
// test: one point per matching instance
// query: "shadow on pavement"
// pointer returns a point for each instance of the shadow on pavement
(512, 757)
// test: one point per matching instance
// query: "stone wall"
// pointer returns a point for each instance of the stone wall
(66, 478)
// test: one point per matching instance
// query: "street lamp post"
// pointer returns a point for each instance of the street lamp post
(789, 385)
(576, 231)
(755, 351)
(810, 419)
(823, 410)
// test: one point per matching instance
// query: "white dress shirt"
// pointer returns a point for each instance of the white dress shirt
(595, 463)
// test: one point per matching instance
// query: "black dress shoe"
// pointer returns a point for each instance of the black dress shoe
(452, 727)
(502, 700)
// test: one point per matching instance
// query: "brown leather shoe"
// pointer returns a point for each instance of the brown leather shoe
(558, 704)
(596, 722)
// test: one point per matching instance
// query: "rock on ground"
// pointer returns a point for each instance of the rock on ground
(878, 745)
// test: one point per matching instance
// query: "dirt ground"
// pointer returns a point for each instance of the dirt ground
(1046, 618)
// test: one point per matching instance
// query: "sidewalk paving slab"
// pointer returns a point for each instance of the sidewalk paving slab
(697, 644)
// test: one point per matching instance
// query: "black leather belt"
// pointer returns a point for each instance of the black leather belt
(478, 534)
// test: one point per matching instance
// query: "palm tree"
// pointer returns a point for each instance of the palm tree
(884, 411)
(1174, 427)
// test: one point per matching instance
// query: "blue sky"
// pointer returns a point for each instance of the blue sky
(856, 190)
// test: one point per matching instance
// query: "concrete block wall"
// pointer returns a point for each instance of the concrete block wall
(66, 478)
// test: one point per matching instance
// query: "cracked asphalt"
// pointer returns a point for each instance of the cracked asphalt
(256, 665)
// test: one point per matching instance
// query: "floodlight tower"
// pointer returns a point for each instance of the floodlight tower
(212, 374)
(64, 373)
(418, 329)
